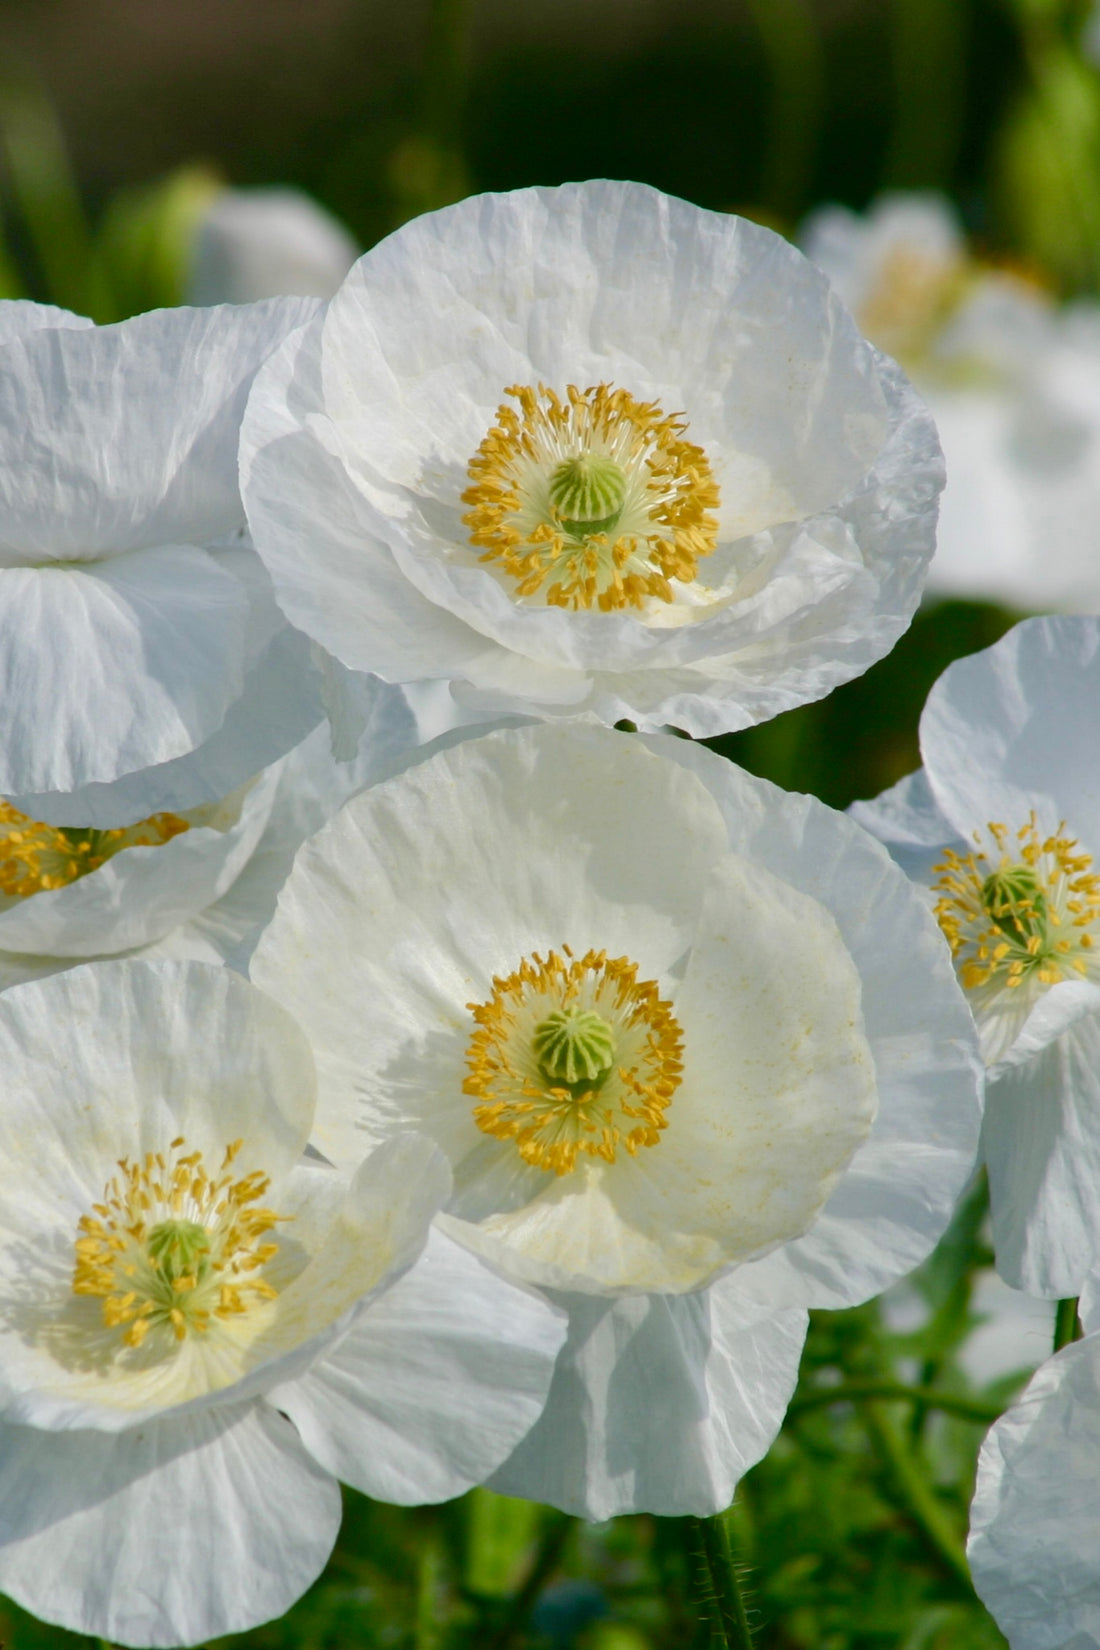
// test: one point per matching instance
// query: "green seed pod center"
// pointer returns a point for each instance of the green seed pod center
(180, 1249)
(588, 492)
(1014, 902)
(574, 1048)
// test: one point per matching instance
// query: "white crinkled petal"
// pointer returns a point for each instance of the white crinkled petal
(908, 821)
(1041, 1142)
(141, 893)
(310, 786)
(1036, 1508)
(123, 437)
(660, 1403)
(533, 843)
(777, 1093)
(172, 1534)
(435, 1383)
(19, 316)
(1015, 727)
(114, 666)
(287, 474)
(358, 434)
(895, 1198)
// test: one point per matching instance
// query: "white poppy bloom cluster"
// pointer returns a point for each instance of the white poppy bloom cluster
(572, 1066)
(1013, 381)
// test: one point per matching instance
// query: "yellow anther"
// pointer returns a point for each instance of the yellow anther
(35, 857)
(159, 1252)
(624, 1076)
(591, 501)
(1020, 914)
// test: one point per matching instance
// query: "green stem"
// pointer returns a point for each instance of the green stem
(965, 1409)
(719, 1588)
(917, 1496)
(1067, 1325)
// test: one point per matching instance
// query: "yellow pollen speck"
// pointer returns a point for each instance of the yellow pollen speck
(591, 501)
(588, 1015)
(1020, 915)
(35, 857)
(174, 1249)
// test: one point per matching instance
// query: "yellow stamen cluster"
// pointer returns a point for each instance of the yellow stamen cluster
(35, 857)
(594, 500)
(573, 1055)
(1023, 914)
(172, 1248)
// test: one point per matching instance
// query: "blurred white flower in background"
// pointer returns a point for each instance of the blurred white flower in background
(1013, 381)
(266, 243)
(592, 449)
(692, 1047)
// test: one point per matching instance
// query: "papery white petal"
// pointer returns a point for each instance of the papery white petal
(777, 1093)
(1036, 1508)
(114, 666)
(172, 1534)
(584, 878)
(434, 1384)
(124, 437)
(19, 316)
(310, 786)
(660, 1403)
(896, 1196)
(1000, 736)
(1041, 1141)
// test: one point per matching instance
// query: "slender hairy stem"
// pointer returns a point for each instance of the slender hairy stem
(964, 1409)
(916, 1495)
(1067, 1325)
(719, 1588)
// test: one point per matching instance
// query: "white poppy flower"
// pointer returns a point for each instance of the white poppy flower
(592, 449)
(198, 885)
(1002, 825)
(261, 243)
(137, 629)
(199, 1328)
(693, 1049)
(1036, 1508)
(1014, 385)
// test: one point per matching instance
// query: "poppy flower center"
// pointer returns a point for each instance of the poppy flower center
(1023, 913)
(35, 857)
(594, 500)
(172, 1249)
(571, 1056)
